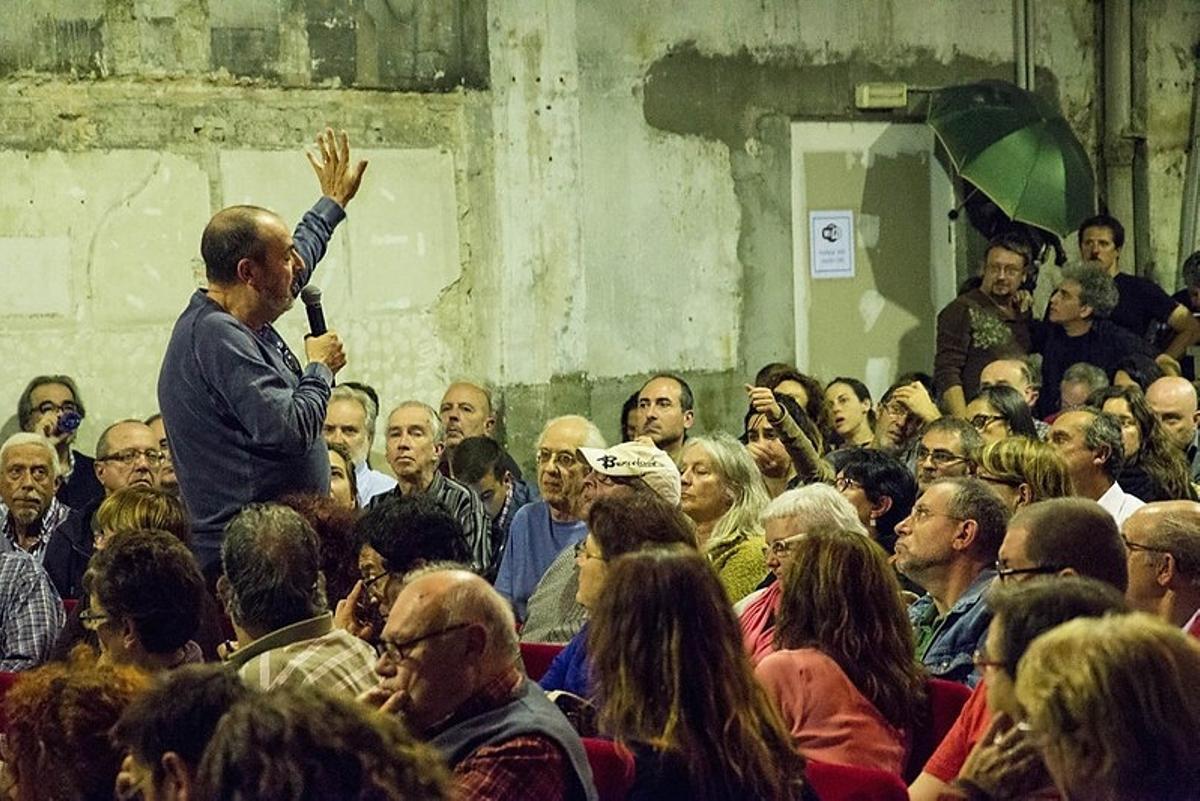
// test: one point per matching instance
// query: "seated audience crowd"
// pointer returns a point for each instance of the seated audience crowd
(731, 612)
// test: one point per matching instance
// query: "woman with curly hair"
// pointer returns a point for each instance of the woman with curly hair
(845, 680)
(59, 716)
(1154, 470)
(675, 687)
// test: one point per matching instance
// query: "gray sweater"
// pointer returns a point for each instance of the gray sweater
(244, 422)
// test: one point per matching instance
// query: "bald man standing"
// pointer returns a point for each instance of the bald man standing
(1173, 401)
(243, 416)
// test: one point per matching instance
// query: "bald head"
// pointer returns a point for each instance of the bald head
(234, 234)
(1010, 373)
(1163, 542)
(1173, 401)
(442, 598)
(448, 635)
(466, 411)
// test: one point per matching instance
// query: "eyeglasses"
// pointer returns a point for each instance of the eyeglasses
(895, 409)
(1005, 269)
(371, 581)
(129, 457)
(940, 457)
(1008, 481)
(1137, 546)
(981, 660)
(400, 651)
(781, 547)
(841, 484)
(92, 620)
(982, 421)
(564, 459)
(920, 514)
(581, 552)
(46, 407)
(1005, 573)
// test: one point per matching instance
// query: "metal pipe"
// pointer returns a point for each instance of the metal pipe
(1190, 206)
(1118, 150)
(1020, 44)
(1139, 112)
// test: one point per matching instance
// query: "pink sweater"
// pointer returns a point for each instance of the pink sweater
(830, 720)
(758, 623)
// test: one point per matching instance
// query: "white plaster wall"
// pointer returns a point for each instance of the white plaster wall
(127, 225)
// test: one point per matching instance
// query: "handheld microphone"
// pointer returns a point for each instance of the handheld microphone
(311, 296)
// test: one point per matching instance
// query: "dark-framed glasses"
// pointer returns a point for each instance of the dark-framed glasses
(91, 620)
(981, 421)
(1004, 572)
(399, 651)
(129, 457)
(1137, 546)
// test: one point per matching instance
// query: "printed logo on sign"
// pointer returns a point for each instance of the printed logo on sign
(831, 233)
(607, 462)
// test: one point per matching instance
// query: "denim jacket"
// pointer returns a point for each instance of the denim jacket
(962, 631)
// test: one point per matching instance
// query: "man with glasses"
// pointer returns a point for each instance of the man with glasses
(33, 520)
(1163, 544)
(274, 593)
(51, 406)
(1064, 539)
(949, 447)
(1062, 536)
(948, 547)
(450, 670)
(1007, 765)
(127, 455)
(983, 324)
(415, 441)
(540, 531)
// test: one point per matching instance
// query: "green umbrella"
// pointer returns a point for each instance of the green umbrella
(1018, 151)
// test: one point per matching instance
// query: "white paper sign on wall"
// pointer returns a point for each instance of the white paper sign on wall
(831, 244)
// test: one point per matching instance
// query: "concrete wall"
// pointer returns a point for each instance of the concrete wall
(608, 183)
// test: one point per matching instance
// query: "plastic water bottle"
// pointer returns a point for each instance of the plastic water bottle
(68, 423)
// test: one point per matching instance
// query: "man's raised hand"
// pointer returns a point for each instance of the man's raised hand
(339, 180)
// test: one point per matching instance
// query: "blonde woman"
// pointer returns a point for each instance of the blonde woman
(723, 493)
(1113, 708)
(1023, 471)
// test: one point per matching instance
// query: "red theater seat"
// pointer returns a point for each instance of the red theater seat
(945, 699)
(537, 657)
(612, 768)
(848, 783)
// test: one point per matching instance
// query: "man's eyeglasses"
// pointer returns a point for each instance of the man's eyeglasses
(92, 620)
(895, 408)
(400, 651)
(564, 459)
(1004, 572)
(1137, 546)
(940, 457)
(982, 421)
(921, 513)
(66, 407)
(129, 457)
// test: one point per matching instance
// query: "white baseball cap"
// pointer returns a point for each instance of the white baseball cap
(639, 460)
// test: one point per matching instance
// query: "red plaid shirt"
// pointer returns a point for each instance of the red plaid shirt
(530, 766)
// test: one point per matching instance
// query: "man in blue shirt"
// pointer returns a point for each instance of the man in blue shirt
(243, 417)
